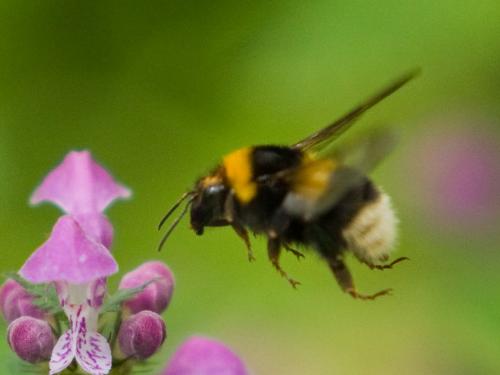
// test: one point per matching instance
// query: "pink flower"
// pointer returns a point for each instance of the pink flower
(204, 356)
(76, 257)
(76, 263)
(77, 260)
(156, 296)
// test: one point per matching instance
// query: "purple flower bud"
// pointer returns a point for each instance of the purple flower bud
(142, 334)
(156, 296)
(15, 301)
(204, 356)
(31, 339)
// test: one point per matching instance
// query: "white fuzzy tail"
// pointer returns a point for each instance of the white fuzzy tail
(371, 235)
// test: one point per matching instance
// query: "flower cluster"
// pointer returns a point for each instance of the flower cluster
(58, 308)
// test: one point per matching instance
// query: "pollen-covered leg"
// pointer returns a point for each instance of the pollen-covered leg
(274, 249)
(386, 266)
(345, 281)
(243, 234)
(297, 253)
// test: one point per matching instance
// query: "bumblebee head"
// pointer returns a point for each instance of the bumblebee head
(206, 203)
(207, 207)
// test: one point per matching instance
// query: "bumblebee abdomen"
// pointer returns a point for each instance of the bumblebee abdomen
(371, 233)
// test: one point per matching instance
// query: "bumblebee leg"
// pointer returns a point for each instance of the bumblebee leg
(279, 223)
(344, 279)
(274, 249)
(385, 266)
(243, 234)
(297, 253)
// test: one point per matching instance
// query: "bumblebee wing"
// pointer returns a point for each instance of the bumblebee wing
(322, 137)
(366, 152)
(319, 184)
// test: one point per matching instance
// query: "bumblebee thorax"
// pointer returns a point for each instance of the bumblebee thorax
(238, 169)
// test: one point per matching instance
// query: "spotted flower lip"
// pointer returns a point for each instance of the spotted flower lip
(81, 342)
(69, 255)
(79, 185)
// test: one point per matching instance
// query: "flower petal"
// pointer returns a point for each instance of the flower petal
(97, 227)
(68, 255)
(90, 349)
(79, 185)
(63, 353)
(93, 353)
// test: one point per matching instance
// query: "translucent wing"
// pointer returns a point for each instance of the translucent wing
(319, 184)
(334, 130)
(366, 152)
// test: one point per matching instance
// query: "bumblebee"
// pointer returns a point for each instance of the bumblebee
(304, 196)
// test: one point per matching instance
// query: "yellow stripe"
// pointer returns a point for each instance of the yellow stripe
(238, 166)
(312, 178)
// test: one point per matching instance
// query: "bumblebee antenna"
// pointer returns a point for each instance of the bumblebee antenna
(176, 221)
(174, 207)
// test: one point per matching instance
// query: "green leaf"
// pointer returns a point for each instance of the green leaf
(17, 366)
(110, 324)
(114, 302)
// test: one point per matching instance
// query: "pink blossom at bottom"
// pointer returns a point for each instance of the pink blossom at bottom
(204, 356)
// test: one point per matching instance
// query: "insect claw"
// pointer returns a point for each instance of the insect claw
(278, 268)
(297, 253)
(294, 283)
(369, 297)
(251, 257)
(387, 266)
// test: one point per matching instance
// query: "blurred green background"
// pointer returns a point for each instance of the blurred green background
(159, 90)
